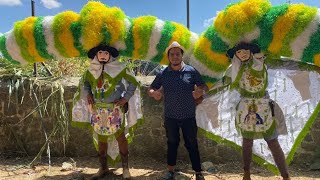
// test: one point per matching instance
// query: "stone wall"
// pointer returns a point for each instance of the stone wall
(26, 135)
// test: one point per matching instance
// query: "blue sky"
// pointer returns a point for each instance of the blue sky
(201, 11)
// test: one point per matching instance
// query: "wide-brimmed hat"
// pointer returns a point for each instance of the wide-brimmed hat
(254, 48)
(174, 44)
(113, 51)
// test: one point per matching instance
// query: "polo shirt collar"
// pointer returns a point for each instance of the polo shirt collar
(182, 66)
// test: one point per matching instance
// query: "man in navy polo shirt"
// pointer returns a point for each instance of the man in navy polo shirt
(181, 85)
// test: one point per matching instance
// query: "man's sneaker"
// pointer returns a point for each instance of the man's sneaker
(199, 177)
(169, 176)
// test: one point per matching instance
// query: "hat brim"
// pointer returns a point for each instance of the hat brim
(254, 48)
(174, 44)
(168, 49)
(93, 51)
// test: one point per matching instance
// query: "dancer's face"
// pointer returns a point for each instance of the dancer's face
(103, 56)
(243, 54)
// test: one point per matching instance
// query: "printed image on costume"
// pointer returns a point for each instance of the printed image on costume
(106, 119)
(254, 115)
(250, 82)
(102, 86)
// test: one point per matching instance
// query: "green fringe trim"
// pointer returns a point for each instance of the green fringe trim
(145, 34)
(102, 138)
(108, 138)
(267, 23)
(245, 93)
(76, 33)
(106, 35)
(113, 81)
(166, 35)
(109, 159)
(56, 28)
(238, 148)
(184, 38)
(256, 135)
(216, 90)
(76, 96)
(78, 124)
(22, 42)
(131, 79)
(217, 45)
(313, 47)
(258, 74)
(129, 138)
(303, 133)
(133, 128)
(209, 79)
(113, 162)
(302, 20)
(207, 61)
(235, 84)
(258, 94)
(227, 80)
(236, 29)
(129, 41)
(4, 51)
(40, 40)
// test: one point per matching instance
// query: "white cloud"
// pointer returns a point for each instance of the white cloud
(10, 2)
(50, 4)
(208, 22)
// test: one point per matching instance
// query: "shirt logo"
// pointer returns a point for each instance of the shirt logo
(186, 78)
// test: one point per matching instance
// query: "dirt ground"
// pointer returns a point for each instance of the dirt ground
(140, 168)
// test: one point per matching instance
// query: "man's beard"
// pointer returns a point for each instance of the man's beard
(176, 64)
(103, 61)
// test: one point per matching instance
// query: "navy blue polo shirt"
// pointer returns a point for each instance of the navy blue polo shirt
(177, 88)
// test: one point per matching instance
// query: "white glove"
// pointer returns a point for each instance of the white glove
(258, 61)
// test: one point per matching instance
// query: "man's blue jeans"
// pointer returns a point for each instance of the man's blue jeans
(189, 130)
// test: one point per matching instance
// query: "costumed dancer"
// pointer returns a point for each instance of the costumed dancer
(255, 113)
(105, 92)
